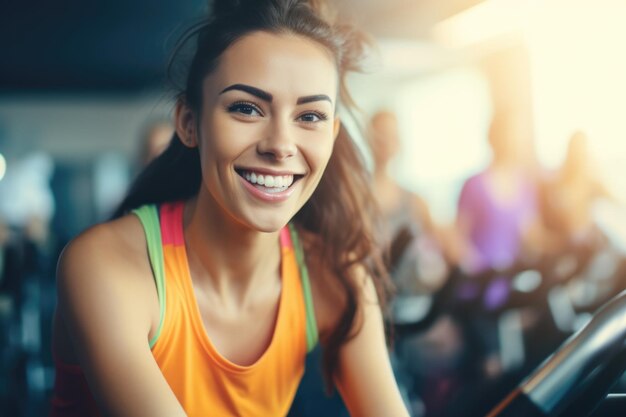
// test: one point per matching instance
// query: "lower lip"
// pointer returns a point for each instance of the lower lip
(267, 197)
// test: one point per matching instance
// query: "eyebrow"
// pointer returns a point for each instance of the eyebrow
(317, 97)
(257, 92)
(265, 96)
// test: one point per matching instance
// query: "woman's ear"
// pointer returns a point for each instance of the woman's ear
(185, 122)
(336, 126)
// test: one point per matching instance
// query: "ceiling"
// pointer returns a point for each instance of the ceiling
(407, 19)
(114, 46)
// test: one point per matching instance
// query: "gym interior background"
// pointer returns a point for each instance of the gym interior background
(80, 81)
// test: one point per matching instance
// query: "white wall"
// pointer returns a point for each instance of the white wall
(76, 128)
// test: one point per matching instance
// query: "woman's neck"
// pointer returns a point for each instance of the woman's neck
(226, 258)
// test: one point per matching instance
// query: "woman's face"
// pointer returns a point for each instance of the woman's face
(267, 127)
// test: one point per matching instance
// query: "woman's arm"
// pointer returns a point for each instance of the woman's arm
(103, 306)
(365, 378)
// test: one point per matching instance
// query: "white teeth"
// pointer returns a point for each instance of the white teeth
(269, 181)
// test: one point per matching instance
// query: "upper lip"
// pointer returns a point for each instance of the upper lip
(267, 171)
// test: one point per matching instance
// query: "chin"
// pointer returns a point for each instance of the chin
(266, 224)
(269, 227)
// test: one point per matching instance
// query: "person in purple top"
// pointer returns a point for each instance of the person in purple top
(497, 208)
(497, 220)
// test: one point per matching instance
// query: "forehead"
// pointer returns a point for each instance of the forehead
(281, 64)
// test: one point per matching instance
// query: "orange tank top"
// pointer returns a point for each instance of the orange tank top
(205, 382)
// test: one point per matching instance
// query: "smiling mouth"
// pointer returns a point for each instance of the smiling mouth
(269, 183)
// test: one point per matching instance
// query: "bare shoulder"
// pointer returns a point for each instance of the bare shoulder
(103, 270)
(107, 310)
(364, 375)
(113, 246)
(328, 289)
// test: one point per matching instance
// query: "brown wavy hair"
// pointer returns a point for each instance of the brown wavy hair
(342, 210)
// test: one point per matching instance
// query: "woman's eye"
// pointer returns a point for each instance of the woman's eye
(312, 117)
(247, 109)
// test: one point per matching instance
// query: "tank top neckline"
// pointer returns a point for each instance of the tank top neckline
(175, 223)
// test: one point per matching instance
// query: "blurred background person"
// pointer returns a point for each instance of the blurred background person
(569, 197)
(497, 213)
(497, 221)
(583, 231)
(419, 266)
(415, 253)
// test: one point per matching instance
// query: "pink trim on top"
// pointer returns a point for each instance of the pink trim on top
(285, 237)
(170, 233)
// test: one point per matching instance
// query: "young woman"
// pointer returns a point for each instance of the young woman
(243, 244)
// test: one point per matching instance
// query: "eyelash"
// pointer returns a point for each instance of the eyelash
(320, 115)
(239, 105)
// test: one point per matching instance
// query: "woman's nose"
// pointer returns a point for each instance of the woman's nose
(278, 142)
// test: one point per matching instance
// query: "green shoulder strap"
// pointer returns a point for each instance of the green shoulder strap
(149, 217)
(311, 324)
